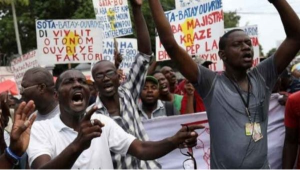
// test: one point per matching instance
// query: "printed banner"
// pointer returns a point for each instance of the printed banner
(252, 32)
(21, 64)
(161, 128)
(185, 3)
(114, 16)
(68, 41)
(197, 29)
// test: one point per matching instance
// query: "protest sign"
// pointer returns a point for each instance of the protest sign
(197, 29)
(23, 63)
(252, 32)
(68, 41)
(126, 46)
(114, 17)
(160, 128)
(185, 3)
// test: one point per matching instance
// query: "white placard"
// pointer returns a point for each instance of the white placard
(68, 41)
(114, 16)
(197, 29)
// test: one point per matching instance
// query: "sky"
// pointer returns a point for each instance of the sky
(263, 14)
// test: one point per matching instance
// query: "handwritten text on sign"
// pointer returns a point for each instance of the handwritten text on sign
(68, 41)
(197, 29)
(114, 17)
(126, 46)
(252, 32)
(21, 64)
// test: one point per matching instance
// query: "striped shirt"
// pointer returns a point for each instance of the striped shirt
(130, 120)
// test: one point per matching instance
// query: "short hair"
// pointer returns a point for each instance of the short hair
(163, 68)
(99, 62)
(59, 79)
(41, 75)
(223, 39)
(155, 72)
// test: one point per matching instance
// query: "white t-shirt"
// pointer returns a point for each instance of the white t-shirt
(50, 115)
(52, 136)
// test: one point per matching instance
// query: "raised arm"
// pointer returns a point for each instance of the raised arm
(291, 45)
(20, 134)
(143, 37)
(183, 61)
(136, 77)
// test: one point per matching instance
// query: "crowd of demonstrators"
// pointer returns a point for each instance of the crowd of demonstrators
(74, 139)
(241, 94)
(98, 124)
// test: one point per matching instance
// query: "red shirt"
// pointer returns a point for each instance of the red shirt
(198, 102)
(292, 115)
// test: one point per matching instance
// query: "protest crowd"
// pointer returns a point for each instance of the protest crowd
(236, 112)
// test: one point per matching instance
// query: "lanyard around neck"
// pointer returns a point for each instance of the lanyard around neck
(246, 103)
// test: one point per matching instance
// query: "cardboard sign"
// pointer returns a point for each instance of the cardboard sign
(68, 41)
(161, 128)
(126, 46)
(252, 32)
(197, 29)
(114, 17)
(21, 64)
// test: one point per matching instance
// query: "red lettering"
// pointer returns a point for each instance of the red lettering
(163, 55)
(254, 41)
(56, 33)
(58, 57)
(98, 57)
(90, 49)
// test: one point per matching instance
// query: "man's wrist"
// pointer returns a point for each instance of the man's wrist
(12, 157)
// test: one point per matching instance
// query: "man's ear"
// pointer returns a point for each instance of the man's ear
(222, 55)
(42, 87)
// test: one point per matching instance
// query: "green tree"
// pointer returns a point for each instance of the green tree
(231, 19)
(261, 53)
(271, 52)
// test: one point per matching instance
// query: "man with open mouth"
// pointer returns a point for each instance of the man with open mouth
(120, 102)
(164, 91)
(236, 100)
(79, 140)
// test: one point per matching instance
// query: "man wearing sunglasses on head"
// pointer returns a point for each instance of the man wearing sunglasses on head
(38, 85)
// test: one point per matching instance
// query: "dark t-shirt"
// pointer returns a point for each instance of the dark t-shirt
(227, 116)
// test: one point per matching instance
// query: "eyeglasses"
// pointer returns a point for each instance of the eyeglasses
(22, 89)
(109, 74)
